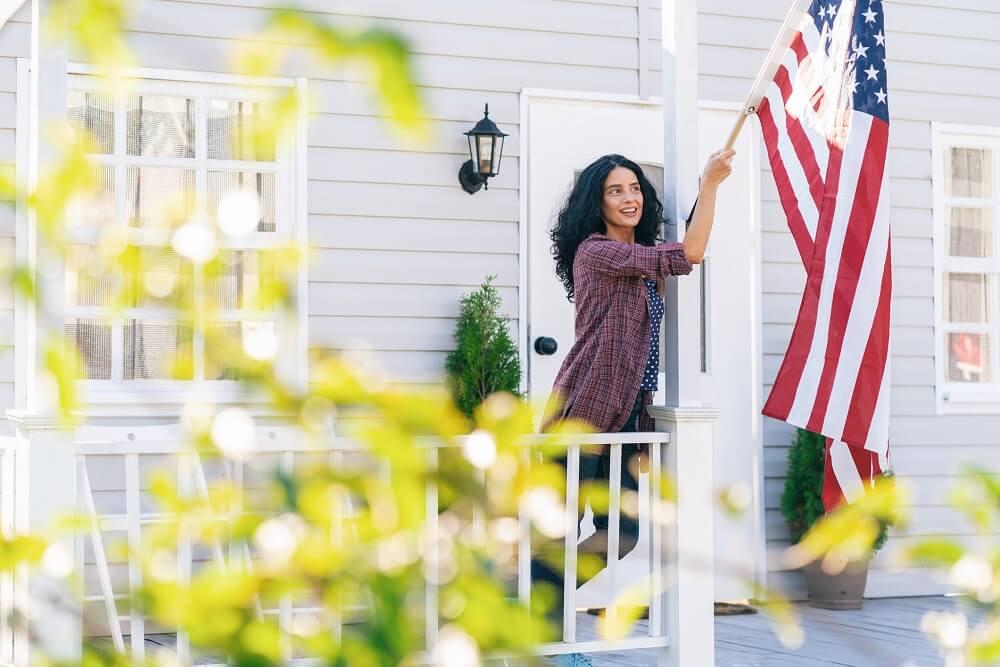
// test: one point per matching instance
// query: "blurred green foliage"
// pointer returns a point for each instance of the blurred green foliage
(352, 541)
(358, 541)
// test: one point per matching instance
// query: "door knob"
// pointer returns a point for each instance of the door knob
(546, 346)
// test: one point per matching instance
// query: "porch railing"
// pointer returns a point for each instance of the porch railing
(127, 450)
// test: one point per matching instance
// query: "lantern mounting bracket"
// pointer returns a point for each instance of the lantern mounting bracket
(470, 179)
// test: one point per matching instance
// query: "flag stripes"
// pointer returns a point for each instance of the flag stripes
(825, 123)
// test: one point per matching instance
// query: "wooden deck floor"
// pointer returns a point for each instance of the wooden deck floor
(886, 633)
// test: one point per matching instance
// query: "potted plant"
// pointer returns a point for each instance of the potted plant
(485, 358)
(802, 506)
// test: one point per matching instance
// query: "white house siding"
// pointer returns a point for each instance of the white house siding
(397, 241)
(15, 42)
(944, 65)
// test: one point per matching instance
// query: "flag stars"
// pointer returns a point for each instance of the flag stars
(831, 11)
(870, 15)
(872, 73)
(880, 39)
(860, 51)
(881, 95)
(854, 87)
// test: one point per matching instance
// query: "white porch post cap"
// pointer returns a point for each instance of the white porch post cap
(36, 420)
(673, 413)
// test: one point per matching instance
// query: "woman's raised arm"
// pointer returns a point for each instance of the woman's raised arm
(698, 232)
(611, 257)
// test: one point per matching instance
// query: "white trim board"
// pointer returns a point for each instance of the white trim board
(191, 76)
(24, 343)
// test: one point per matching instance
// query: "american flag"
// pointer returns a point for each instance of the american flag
(825, 119)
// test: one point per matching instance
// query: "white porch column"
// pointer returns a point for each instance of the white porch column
(690, 621)
(47, 121)
(45, 481)
(45, 490)
(689, 541)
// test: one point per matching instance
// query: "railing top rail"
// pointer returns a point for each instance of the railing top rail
(126, 440)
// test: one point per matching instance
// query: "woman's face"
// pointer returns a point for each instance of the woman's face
(622, 202)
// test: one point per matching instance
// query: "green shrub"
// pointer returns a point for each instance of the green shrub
(802, 498)
(485, 358)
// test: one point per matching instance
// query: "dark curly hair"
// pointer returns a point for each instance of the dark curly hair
(580, 216)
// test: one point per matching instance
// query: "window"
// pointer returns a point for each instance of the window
(967, 268)
(166, 153)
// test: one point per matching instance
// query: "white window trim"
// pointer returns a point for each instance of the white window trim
(953, 397)
(164, 397)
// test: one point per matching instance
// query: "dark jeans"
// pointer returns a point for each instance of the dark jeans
(594, 467)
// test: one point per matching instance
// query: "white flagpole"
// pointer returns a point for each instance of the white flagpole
(769, 68)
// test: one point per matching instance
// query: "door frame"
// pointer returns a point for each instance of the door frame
(528, 95)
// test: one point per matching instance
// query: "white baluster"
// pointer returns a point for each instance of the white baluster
(572, 529)
(614, 528)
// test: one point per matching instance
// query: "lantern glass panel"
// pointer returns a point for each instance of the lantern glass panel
(499, 156)
(485, 164)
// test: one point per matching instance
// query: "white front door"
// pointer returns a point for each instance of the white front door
(564, 136)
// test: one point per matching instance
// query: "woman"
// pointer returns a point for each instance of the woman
(605, 243)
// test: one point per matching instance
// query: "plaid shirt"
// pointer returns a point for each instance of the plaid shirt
(600, 377)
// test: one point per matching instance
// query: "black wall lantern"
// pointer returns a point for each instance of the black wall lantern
(485, 151)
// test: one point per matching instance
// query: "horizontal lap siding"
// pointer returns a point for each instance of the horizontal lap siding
(396, 242)
(943, 64)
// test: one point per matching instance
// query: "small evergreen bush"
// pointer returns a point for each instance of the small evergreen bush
(485, 358)
(802, 498)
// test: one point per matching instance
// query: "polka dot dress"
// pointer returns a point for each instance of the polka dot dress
(652, 371)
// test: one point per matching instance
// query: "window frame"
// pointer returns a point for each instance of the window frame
(958, 397)
(289, 167)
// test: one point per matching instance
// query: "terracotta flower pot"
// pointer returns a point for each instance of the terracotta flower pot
(838, 591)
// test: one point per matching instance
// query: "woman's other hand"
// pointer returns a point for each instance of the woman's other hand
(718, 167)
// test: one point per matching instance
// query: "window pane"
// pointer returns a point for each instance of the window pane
(95, 207)
(233, 132)
(156, 350)
(222, 343)
(970, 172)
(92, 117)
(86, 283)
(160, 126)
(157, 195)
(223, 185)
(225, 341)
(967, 297)
(970, 232)
(92, 339)
(235, 281)
(162, 278)
(969, 357)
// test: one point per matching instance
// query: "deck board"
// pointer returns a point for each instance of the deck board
(885, 633)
